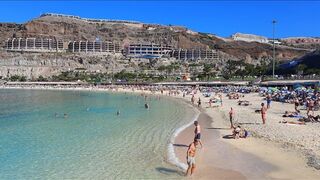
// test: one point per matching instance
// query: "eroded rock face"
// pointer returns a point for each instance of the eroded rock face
(33, 65)
(68, 29)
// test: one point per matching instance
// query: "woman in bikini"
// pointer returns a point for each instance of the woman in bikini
(263, 113)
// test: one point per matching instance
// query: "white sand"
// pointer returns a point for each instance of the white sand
(286, 162)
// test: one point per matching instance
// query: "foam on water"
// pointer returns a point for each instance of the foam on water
(171, 154)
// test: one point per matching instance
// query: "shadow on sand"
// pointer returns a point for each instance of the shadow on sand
(220, 128)
(180, 145)
(228, 136)
(248, 123)
(168, 171)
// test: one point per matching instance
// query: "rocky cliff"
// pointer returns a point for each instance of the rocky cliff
(70, 29)
(302, 42)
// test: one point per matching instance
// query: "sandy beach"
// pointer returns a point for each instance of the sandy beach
(272, 151)
(266, 157)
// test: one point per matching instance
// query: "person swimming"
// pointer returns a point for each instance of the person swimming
(118, 113)
(146, 105)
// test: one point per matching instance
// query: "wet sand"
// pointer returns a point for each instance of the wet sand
(218, 159)
(225, 158)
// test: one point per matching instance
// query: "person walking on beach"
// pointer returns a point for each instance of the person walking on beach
(197, 132)
(268, 101)
(220, 96)
(296, 105)
(192, 99)
(263, 113)
(199, 102)
(231, 116)
(310, 105)
(191, 153)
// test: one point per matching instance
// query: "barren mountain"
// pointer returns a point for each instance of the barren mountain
(125, 32)
(70, 29)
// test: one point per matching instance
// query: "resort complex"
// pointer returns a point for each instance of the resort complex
(34, 45)
(93, 47)
(141, 50)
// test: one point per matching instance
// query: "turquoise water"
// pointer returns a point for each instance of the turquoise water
(92, 142)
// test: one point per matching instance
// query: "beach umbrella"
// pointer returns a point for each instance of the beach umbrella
(310, 90)
(295, 86)
(263, 89)
(301, 88)
(273, 89)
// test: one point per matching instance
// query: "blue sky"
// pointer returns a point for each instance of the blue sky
(295, 18)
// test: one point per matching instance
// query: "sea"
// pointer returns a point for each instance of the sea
(60, 134)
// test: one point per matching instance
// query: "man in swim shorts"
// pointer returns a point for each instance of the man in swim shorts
(197, 132)
(191, 153)
(268, 101)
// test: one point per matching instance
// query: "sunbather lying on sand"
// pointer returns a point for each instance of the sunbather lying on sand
(292, 122)
(214, 100)
(239, 132)
(291, 114)
(244, 103)
(233, 95)
(310, 118)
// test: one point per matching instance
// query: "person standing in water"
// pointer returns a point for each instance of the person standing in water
(263, 113)
(197, 132)
(191, 153)
(231, 116)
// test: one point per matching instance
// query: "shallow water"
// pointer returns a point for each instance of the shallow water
(38, 142)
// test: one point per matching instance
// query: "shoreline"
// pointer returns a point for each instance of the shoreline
(270, 159)
(172, 156)
(246, 148)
